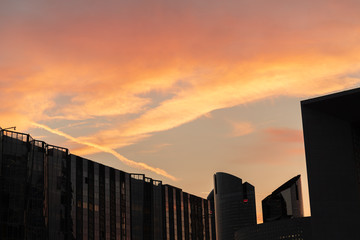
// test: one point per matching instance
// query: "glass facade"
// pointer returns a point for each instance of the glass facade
(57, 191)
(187, 217)
(234, 203)
(285, 202)
(13, 180)
(47, 193)
(34, 207)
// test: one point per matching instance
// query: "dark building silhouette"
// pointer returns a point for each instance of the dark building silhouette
(48, 194)
(283, 216)
(234, 205)
(212, 213)
(286, 229)
(285, 202)
(186, 216)
(331, 126)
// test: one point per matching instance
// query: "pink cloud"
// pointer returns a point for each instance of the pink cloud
(284, 135)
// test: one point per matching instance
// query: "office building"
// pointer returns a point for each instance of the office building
(286, 229)
(234, 205)
(48, 194)
(283, 216)
(331, 126)
(186, 216)
(212, 213)
(285, 202)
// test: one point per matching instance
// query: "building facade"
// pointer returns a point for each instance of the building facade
(212, 213)
(331, 126)
(288, 229)
(285, 202)
(283, 216)
(48, 194)
(234, 205)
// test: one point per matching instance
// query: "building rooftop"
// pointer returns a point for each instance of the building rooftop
(337, 104)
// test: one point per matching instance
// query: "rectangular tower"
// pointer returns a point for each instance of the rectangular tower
(331, 127)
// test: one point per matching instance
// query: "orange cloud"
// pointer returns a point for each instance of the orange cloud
(150, 67)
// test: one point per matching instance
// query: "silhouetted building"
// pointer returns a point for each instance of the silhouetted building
(48, 194)
(212, 213)
(288, 229)
(283, 216)
(234, 205)
(285, 202)
(331, 126)
(186, 216)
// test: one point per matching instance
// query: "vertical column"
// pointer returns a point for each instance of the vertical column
(118, 208)
(128, 206)
(186, 216)
(203, 218)
(175, 214)
(137, 206)
(123, 206)
(91, 193)
(85, 199)
(57, 179)
(34, 215)
(167, 213)
(79, 198)
(96, 202)
(112, 205)
(102, 202)
(209, 219)
(157, 210)
(190, 213)
(182, 215)
(148, 210)
(73, 188)
(107, 202)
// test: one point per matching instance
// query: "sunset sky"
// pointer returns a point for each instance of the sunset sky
(174, 89)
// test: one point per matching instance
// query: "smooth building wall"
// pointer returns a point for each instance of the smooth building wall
(331, 136)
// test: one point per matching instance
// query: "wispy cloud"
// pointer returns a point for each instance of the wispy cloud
(131, 163)
(241, 129)
(88, 61)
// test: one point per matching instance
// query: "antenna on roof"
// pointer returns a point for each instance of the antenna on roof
(9, 128)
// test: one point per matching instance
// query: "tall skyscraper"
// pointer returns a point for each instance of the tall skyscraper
(285, 202)
(48, 194)
(234, 205)
(331, 126)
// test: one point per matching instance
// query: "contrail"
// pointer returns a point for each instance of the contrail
(123, 159)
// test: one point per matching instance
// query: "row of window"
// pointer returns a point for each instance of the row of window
(68, 197)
